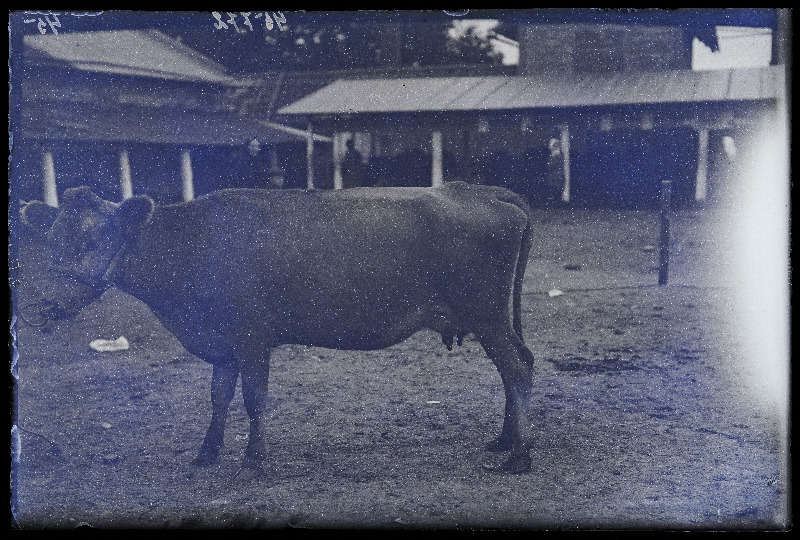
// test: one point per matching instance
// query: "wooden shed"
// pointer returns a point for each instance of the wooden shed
(467, 127)
(133, 111)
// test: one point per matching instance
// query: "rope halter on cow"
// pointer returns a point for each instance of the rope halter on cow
(100, 285)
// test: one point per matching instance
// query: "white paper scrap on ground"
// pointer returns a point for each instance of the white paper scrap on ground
(110, 345)
(554, 292)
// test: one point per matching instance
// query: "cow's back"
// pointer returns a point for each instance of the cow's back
(359, 268)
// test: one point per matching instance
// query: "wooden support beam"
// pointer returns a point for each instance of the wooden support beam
(186, 176)
(565, 156)
(310, 157)
(49, 173)
(337, 160)
(125, 183)
(663, 241)
(295, 131)
(437, 177)
(701, 182)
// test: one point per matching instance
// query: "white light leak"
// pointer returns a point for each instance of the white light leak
(481, 26)
(759, 232)
(739, 47)
(509, 48)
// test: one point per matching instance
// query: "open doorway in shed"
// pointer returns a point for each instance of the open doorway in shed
(624, 168)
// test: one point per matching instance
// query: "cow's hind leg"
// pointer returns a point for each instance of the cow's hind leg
(223, 387)
(503, 441)
(515, 363)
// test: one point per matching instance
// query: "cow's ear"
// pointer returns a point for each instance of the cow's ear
(38, 216)
(135, 212)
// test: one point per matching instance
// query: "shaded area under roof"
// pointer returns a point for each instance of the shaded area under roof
(145, 53)
(539, 92)
(136, 124)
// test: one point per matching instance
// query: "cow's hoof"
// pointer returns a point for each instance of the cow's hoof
(517, 464)
(500, 444)
(205, 458)
(247, 473)
(202, 461)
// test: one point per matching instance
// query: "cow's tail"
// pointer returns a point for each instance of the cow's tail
(522, 260)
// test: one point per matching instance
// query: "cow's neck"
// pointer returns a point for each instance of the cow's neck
(125, 276)
(131, 274)
(146, 271)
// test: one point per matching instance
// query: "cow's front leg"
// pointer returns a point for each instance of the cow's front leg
(255, 376)
(223, 387)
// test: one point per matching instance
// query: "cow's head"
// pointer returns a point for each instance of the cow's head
(88, 238)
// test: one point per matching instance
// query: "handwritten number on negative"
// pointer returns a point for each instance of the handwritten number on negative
(268, 21)
(246, 17)
(232, 20)
(43, 24)
(279, 19)
(219, 25)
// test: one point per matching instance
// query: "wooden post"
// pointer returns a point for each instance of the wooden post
(701, 183)
(437, 178)
(49, 172)
(663, 242)
(125, 174)
(309, 157)
(186, 176)
(565, 156)
(337, 161)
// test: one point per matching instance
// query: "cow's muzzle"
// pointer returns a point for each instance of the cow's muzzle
(53, 312)
(39, 313)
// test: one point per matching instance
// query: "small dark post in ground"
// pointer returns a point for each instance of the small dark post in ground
(663, 243)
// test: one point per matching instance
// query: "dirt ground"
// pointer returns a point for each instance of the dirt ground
(649, 410)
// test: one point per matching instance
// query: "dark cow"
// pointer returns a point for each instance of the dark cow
(237, 272)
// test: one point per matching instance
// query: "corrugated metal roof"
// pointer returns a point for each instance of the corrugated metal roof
(532, 92)
(81, 122)
(145, 53)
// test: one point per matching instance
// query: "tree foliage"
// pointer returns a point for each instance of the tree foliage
(472, 48)
(338, 46)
